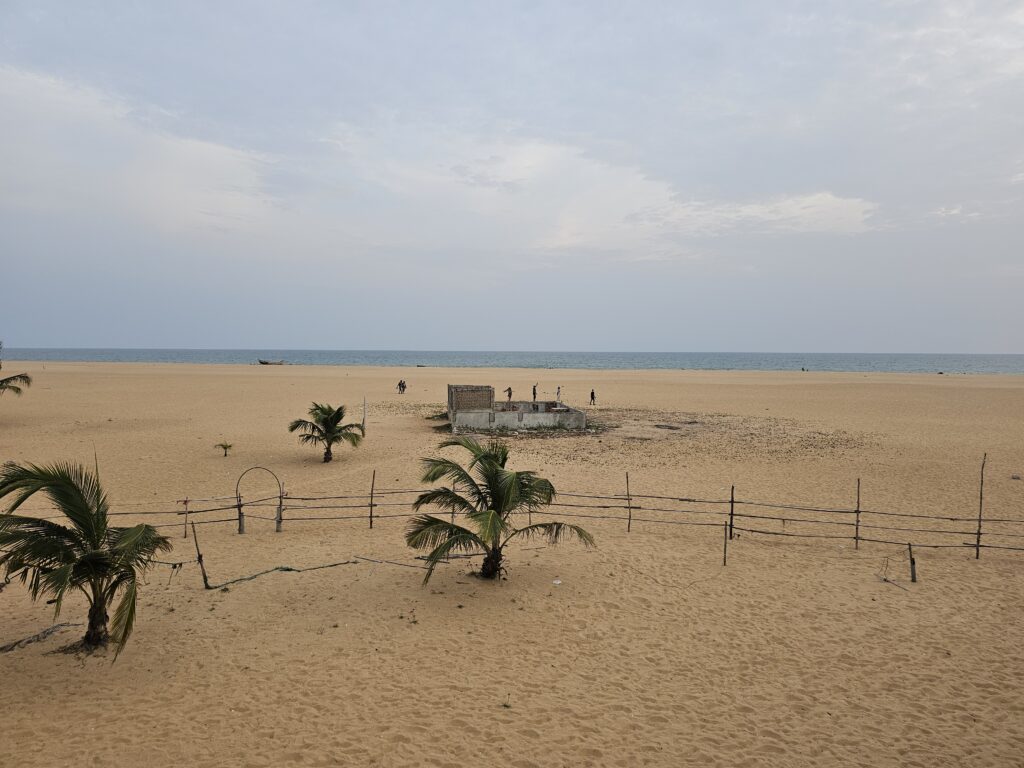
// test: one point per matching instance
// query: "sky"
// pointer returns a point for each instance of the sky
(679, 176)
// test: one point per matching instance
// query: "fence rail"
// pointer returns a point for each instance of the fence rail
(828, 523)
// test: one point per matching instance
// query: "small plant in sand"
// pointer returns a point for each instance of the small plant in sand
(488, 495)
(224, 446)
(324, 427)
(88, 555)
(14, 383)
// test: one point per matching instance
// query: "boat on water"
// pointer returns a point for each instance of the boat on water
(271, 362)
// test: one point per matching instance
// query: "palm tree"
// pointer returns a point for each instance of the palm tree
(89, 554)
(224, 446)
(324, 427)
(11, 383)
(489, 495)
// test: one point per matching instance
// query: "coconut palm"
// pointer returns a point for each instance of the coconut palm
(324, 427)
(15, 383)
(488, 495)
(224, 447)
(89, 554)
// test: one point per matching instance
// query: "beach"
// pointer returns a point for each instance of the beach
(643, 651)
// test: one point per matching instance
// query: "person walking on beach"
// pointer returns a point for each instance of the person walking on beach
(509, 393)
(593, 398)
(535, 393)
(558, 394)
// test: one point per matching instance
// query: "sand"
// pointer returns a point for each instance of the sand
(648, 651)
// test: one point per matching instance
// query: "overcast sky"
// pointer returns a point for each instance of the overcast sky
(683, 176)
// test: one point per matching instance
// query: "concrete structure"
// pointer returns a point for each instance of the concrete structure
(471, 408)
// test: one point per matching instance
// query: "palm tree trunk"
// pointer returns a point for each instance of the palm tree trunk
(327, 454)
(491, 568)
(97, 634)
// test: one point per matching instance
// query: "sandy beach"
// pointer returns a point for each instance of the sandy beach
(647, 651)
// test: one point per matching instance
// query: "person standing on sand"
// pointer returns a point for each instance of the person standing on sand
(535, 393)
(509, 393)
(593, 398)
(558, 394)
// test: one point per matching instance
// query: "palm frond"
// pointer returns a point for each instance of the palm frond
(554, 532)
(304, 425)
(466, 542)
(446, 499)
(124, 617)
(11, 383)
(436, 469)
(135, 547)
(490, 525)
(74, 490)
(427, 531)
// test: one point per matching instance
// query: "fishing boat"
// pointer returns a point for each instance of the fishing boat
(271, 362)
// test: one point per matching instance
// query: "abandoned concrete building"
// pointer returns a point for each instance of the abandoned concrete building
(471, 408)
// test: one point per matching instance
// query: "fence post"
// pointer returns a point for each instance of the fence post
(185, 502)
(241, 514)
(732, 507)
(278, 519)
(856, 524)
(199, 558)
(913, 564)
(373, 483)
(981, 506)
(629, 506)
(725, 543)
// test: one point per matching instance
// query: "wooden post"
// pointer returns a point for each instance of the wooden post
(199, 558)
(856, 524)
(981, 506)
(629, 506)
(732, 507)
(278, 519)
(185, 502)
(373, 483)
(725, 543)
(241, 515)
(913, 564)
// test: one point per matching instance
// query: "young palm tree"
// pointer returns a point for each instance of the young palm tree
(89, 554)
(224, 446)
(488, 495)
(324, 427)
(11, 383)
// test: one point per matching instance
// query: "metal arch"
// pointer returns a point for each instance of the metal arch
(238, 485)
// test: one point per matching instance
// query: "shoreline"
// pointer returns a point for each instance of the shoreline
(513, 370)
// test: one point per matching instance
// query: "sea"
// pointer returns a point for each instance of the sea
(706, 361)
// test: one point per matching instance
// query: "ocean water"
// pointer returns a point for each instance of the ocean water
(716, 361)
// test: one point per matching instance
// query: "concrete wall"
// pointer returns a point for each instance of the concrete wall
(469, 397)
(520, 416)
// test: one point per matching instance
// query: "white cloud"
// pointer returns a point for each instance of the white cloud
(73, 150)
(66, 148)
(543, 196)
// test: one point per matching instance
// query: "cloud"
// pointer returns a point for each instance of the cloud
(541, 196)
(70, 149)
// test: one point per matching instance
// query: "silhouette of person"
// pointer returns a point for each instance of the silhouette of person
(509, 393)
(593, 398)
(558, 395)
(535, 393)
